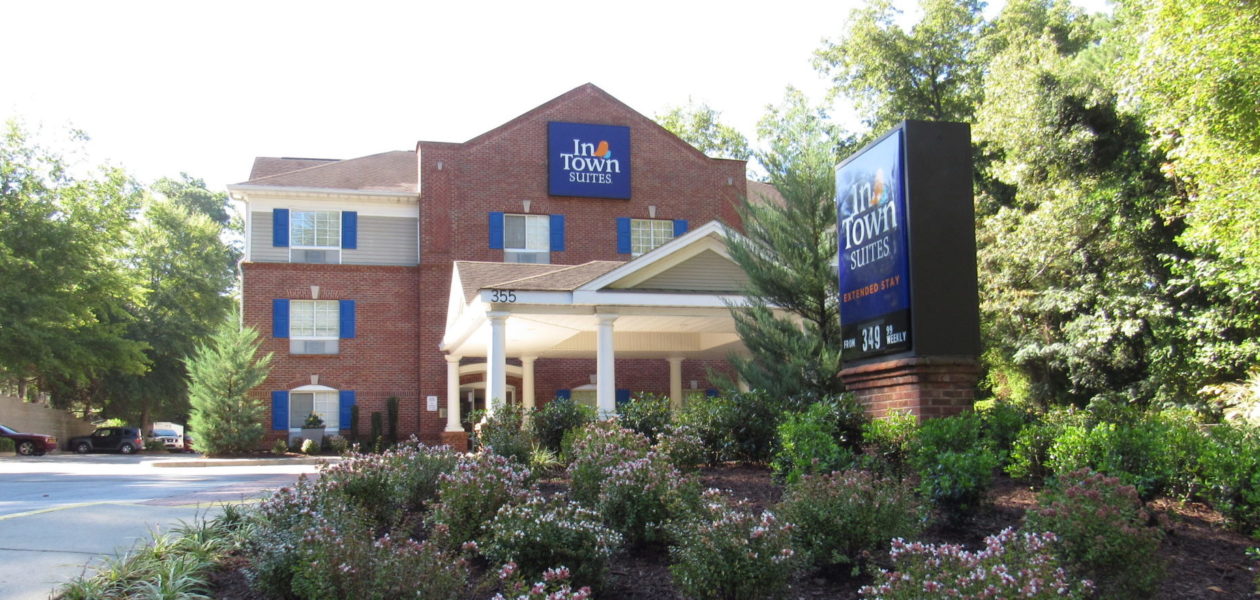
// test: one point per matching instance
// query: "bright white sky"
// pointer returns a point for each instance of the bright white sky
(204, 87)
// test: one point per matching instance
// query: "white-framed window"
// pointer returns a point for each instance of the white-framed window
(647, 234)
(314, 326)
(315, 236)
(527, 238)
(324, 404)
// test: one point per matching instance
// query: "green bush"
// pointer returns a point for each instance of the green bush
(807, 444)
(386, 487)
(740, 426)
(839, 517)
(1154, 453)
(1011, 566)
(954, 464)
(504, 434)
(471, 495)
(7, 445)
(1229, 472)
(558, 417)
(1030, 452)
(886, 442)
(540, 534)
(731, 554)
(647, 414)
(642, 498)
(595, 448)
(682, 446)
(1002, 423)
(1102, 528)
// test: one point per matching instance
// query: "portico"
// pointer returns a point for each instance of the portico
(670, 304)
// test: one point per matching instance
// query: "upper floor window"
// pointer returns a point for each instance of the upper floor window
(316, 229)
(647, 234)
(313, 326)
(527, 238)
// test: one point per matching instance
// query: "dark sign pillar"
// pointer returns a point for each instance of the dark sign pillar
(909, 305)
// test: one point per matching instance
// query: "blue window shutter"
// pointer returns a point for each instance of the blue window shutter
(280, 228)
(557, 233)
(280, 318)
(712, 393)
(623, 235)
(280, 410)
(680, 227)
(347, 320)
(343, 414)
(566, 394)
(622, 396)
(349, 230)
(496, 231)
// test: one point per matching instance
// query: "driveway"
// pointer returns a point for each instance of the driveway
(60, 513)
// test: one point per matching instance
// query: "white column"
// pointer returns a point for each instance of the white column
(496, 362)
(605, 378)
(527, 382)
(452, 394)
(675, 383)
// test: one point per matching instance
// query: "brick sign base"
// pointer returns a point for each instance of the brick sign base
(928, 387)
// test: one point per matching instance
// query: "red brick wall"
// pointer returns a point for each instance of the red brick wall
(379, 362)
(927, 387)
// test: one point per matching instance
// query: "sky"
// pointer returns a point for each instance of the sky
(163, 87)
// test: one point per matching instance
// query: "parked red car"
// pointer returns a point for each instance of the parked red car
(29, 444)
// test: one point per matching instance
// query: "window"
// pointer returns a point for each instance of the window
(314, 326)
(315, 236)
(647, 234)
(324, 404)
(526, 238)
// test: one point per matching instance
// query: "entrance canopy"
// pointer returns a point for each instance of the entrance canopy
(670, 303)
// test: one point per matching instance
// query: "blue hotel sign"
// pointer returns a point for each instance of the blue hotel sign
(874, 250)
(587, 160)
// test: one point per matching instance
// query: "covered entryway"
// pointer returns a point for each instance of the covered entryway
(671, 303)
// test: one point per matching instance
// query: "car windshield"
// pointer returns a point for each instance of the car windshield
(4, 429)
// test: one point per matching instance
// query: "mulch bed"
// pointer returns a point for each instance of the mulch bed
(1205, 560)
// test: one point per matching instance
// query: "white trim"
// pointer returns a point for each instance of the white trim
(273, 190)
(663, 254)
(313, 388)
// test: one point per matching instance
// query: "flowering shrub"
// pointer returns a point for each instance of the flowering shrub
(1010, 566)
(647, 414)
(682, 446)
(550, 423)
(388, 485)
(543, 533)
(839, 517)
(807, 444)
(1102, 527)
(338, 557)
(470, 495)
(504, 435)
(731, 554)
(593, 449)
(641, 497)
(554, 586)
(954, 464)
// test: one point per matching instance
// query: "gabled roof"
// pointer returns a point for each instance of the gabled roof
(266, 166)
(475, 275)
(385, 172)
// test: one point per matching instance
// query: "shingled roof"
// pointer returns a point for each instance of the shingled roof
(475, 276)
(385, 172)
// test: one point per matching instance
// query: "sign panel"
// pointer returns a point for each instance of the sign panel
(588, 160)
(874, 250)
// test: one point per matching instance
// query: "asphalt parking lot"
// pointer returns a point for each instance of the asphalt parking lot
(61, 513)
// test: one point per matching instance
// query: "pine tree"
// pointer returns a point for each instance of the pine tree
(225, 419)
(791, 324)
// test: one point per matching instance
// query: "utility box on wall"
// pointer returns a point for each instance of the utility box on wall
(908, 287)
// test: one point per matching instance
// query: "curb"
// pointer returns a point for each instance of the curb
(245, 462)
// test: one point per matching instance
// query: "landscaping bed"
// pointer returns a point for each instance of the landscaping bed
(1205, 560)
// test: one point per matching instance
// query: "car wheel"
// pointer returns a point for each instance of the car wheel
(26, 448)
(126, 448)
(82, 447)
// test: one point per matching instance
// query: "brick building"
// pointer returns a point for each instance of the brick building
(574, 251)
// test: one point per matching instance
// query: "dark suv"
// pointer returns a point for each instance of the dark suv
(109, 439)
